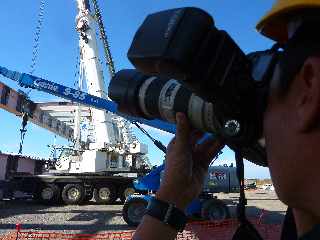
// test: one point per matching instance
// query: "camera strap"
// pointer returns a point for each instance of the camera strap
(241, 214)
(245, 229)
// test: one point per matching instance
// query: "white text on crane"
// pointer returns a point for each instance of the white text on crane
(45, 85)
(74, 93)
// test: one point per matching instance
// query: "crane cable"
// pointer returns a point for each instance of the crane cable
(35, 53)
(103, 36)
(156, 142)
(161, 146)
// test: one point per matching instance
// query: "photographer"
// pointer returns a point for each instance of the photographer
(291, 128)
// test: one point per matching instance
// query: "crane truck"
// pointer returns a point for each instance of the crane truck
(104, 169)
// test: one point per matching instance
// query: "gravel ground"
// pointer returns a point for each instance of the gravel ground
(258, 201)
(95, 218)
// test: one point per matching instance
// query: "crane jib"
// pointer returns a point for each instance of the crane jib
(74, 95)
(30, 81)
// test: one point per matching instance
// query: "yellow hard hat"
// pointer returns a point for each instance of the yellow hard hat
(274, 23)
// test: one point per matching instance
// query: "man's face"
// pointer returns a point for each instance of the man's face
(278, 134)
(292, 133)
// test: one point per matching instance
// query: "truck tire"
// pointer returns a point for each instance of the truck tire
(126, 192)
(48, 194)
(214, 210)
(133, 211)
(105, 194)
(73, 194)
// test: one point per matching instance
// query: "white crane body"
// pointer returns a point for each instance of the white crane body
(113, 146)
(104, 168)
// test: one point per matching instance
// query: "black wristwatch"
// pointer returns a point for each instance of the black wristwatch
(167, 213)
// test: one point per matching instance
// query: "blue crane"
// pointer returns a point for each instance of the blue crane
(34, 82)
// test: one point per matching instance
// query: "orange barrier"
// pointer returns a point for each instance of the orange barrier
(204, 230)
(224, 230)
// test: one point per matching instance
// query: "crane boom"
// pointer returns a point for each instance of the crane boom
(30, 81)
(89, 56)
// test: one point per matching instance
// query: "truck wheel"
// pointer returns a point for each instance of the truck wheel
(73, 194)
(214, 210)
(133, 211)
(48, 194)
(105, 194)
(126, 192)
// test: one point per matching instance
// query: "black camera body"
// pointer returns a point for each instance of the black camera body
(186, 64)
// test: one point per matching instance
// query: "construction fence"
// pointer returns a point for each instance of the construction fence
(222, 230)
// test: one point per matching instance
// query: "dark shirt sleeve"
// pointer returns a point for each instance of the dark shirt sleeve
(289, 229)
(314, 234)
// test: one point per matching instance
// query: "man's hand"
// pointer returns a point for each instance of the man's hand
(186, 164)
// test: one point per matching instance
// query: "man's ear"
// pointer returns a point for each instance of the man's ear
(308, 98)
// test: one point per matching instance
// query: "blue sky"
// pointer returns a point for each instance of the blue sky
(59, 50)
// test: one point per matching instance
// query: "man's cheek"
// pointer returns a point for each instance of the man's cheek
(271, 132)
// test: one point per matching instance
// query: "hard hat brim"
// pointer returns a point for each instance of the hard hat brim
(274, 24)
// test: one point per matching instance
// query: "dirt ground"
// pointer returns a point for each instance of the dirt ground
(259, 202)
(93, 218)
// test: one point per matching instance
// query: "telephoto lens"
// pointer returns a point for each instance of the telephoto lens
(152, 97)
(157, 97)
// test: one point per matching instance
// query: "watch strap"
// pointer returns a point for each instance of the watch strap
(167, 213)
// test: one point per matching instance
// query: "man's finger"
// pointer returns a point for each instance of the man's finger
(214, 150)
(171, 144)
(208, 150)
(209, 143)
(183, 131)
(196, 135)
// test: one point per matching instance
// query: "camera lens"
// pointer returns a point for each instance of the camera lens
(157, 97)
